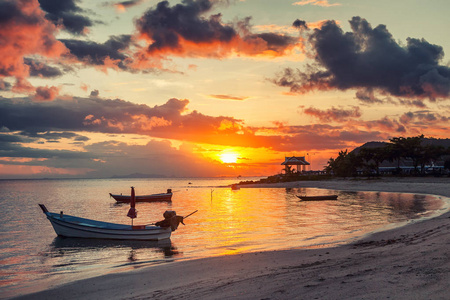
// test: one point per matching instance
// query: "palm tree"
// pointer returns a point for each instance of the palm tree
(344, 165)
(373, 157)
(430, 154)
(395, 151)
(410, 147)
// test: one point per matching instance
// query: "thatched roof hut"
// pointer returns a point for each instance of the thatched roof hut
(294, 161)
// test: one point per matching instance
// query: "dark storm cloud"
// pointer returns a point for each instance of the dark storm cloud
(95, 53)
(80, 138)
(185, 29)
(94, 93)
(59, 6)
(370, 58)
(336, 114)
(275, 41)
(423, 117)
(11, 146)
(10, 142)
(9, 11)
(29, 116)
(368, 96)
(385, 124)
(127, 4)
(54, 135)
(67, 13)
(300, 24)
(165, 24)
(109, 116)
(20, 151)
(417, 103)
(40, 69)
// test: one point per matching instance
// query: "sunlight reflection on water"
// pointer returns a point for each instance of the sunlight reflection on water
(227, 222)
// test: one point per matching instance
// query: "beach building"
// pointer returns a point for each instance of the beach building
(294, 161)
(406, 167)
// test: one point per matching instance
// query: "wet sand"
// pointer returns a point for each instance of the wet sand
(410, 262)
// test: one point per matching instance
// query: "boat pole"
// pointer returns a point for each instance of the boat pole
(190, 214)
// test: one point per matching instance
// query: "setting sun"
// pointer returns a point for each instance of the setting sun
(229, 158)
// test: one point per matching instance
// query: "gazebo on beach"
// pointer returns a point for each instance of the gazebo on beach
(294, 161)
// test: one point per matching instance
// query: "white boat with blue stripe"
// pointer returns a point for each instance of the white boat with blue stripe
(71, 226)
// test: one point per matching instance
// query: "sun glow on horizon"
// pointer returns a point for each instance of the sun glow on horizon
(228, 157)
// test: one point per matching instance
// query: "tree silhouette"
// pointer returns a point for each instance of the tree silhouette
(344, 165)
(372, 158)
(413, 149)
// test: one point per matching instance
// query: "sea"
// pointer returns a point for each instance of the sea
(227, 221)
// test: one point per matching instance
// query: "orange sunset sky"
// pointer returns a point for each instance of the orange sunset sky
(202, 88)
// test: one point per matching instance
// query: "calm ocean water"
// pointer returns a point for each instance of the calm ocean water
(227, 222)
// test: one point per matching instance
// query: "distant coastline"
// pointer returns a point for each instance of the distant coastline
(389, 184)
(139, 175)
(281, 179)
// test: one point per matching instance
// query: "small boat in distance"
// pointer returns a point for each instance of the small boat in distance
(145, 198)
(318, 198)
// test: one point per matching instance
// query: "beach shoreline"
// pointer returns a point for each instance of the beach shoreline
(409, 262)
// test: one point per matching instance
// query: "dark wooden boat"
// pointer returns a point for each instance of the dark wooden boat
(318, 198)
(145, 198)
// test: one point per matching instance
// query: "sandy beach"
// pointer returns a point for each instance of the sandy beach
(410, 262)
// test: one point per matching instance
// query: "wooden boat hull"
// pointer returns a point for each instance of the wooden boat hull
(143, 198)
(70, 226)
(318, 198)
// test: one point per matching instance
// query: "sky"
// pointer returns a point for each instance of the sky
(206, 88)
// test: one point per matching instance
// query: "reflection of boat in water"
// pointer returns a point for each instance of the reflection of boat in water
(144, 198)
(71, 243)
(318, 198)
(81, 254)
(62, 244)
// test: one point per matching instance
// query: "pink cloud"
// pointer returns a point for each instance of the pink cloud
(323, 3)
(333, 113)
(45, 93)
(25, 32)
